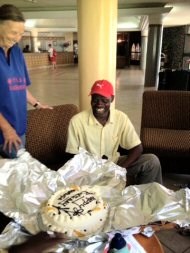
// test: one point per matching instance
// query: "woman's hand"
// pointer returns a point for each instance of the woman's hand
(42, 106)
(11, 139)
(32, 101)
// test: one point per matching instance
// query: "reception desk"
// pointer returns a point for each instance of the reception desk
(37, 60)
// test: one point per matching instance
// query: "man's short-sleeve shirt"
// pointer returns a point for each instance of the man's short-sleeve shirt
(86, 132)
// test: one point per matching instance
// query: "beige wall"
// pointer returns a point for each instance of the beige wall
(57, 39)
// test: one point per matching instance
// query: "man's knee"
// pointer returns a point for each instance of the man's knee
(152, 160)
(154, 168)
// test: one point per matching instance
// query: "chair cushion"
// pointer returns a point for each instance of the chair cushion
(46, 135)
(166, 142)
(166, 109)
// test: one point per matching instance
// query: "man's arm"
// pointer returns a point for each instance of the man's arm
(132, 156)
(72, 146)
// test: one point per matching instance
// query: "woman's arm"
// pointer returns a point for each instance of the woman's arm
(34, 102)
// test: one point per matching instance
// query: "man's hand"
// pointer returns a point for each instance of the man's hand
(132, 156)
(38, 243)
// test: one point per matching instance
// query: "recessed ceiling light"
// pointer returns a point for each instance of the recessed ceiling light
(31, 1)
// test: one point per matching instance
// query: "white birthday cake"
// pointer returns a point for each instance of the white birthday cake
(75, 211)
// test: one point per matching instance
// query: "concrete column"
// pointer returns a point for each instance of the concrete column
(97, 35)
(153, 51)
(144, 42)
(34, 40)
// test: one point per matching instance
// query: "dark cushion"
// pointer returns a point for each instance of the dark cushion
(174, 80)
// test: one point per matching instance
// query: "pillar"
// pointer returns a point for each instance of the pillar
(144, 42)
(153, 51)
(34, 40)
(97, 35)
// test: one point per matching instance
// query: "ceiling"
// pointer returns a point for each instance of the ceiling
(61, 15)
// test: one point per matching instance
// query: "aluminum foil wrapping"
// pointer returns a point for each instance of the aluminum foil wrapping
(25, 184)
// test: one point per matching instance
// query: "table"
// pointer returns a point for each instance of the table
(150, 244)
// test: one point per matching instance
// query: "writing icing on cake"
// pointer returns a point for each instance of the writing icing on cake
(75, 211)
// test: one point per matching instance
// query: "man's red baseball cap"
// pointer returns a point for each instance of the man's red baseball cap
(103, 88)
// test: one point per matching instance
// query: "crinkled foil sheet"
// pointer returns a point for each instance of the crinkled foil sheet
(25, 184)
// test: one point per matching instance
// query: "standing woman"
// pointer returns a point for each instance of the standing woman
(14, 81)
(52, 55)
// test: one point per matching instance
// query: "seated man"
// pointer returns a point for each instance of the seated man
(101, 130)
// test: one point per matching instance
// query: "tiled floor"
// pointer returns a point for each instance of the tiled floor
(61, 85)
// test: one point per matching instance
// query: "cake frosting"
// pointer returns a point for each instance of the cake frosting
(75, 211)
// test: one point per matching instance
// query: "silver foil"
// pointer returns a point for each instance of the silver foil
(25, 184)
(148, 231)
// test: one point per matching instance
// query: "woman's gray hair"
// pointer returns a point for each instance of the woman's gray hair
(11, 12)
